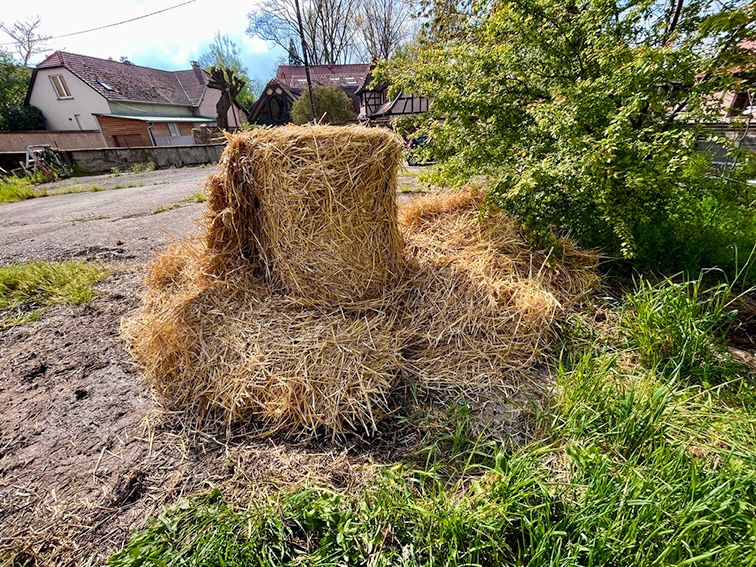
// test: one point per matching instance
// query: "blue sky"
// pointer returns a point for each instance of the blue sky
(165, 41)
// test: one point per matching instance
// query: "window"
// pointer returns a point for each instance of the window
(174, 129)
(738, 105)
(106, 85)
(60, 86)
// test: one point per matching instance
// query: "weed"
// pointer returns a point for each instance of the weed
(27, 288)
(90, 218)
(18, 190)
(681, 326)
(194, 198)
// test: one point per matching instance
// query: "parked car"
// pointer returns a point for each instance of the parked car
(418, 151)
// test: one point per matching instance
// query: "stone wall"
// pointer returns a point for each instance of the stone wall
(105, 159)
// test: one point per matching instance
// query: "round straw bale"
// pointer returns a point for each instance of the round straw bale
(313, 207)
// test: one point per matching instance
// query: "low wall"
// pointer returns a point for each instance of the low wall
(101, 160)
(63, 139)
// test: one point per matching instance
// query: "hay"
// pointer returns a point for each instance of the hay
(230, 331)
(313, 208)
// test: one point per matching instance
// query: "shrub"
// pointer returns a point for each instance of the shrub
(19, 118)
(587, 119)
(331, 103)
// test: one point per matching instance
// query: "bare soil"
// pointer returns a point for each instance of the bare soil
(86, 455)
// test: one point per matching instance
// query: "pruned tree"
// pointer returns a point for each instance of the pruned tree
(385, 25)
(226, 81)
(225, 54)
(27, 42)
(330, 28)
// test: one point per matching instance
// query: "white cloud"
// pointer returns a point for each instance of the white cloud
(169, 40)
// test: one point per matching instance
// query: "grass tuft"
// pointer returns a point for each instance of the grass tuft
(198, 197)
(27, 288)
(19, 190)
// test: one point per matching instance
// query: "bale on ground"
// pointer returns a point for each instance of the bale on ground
(314, 208)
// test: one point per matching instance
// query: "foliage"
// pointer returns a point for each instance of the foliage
(14, 82)
(332, 105)
(27, 288)
(635, 467)
(225, 54)
(23, 118)
(16, 189)
(585, 117)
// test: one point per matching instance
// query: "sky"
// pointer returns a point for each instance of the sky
(165, 41)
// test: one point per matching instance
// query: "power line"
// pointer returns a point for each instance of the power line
(114, 24)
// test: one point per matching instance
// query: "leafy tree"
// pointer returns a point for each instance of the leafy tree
(224, 53)
(585, 116)
(14, 82)
(331, 103)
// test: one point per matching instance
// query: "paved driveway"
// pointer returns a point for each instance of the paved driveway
(117, 223)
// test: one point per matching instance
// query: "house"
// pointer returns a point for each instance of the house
(128, 104)
(377, 106)
(275, 102)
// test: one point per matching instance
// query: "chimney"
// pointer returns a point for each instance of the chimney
(198, 72)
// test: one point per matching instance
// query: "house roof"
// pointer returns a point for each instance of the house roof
(293, 76)
(118, 81)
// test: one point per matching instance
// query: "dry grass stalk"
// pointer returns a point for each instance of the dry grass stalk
(221, 336)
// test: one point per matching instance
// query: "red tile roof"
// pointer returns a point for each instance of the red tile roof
(134, 83)
(353, 75)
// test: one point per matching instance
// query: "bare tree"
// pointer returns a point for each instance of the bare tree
(330, 27)
(385, 25)
(27, 42)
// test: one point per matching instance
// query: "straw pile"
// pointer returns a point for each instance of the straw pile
(313, 208)
(280, 313)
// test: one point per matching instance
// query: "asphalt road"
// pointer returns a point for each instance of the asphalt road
(112, 223)
(119, 221)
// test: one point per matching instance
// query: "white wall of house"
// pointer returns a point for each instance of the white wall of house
(73, 113)
(207, 108)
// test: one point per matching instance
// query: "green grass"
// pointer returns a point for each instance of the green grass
(194, 198)
(27, 288)
(641, 460)
(18, 190)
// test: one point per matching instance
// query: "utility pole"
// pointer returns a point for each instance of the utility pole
(306, 63)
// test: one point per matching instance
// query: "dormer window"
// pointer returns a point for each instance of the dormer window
(104, 84)
(60, 86)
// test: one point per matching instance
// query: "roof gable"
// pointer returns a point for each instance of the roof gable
(118, 81)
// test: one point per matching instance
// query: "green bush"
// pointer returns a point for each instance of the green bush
(588, 118)
(19, 118)
(332, 105)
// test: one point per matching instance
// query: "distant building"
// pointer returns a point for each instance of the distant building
(370, 104)
(128, 104)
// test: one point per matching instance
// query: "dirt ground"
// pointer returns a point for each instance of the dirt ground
(85, 455)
